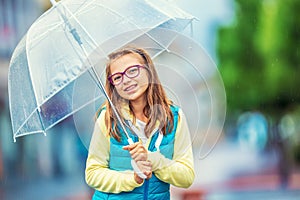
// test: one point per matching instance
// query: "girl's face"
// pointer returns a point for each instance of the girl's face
(131, 89)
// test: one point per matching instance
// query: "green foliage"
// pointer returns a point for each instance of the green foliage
(259, 56)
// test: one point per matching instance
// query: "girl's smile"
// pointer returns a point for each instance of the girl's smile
(131, 88)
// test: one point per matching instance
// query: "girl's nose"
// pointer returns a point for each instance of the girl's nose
(126, 80)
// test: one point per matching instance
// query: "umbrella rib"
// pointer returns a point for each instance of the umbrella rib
(34, 91)
(168, 45)
(165, 3)
(94, 43)
(27, 133)
(25, 121)
(99, 83)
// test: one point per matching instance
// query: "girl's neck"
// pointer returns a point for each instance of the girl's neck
(138, 109)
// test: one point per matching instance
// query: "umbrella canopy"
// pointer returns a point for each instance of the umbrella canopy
(61, 45)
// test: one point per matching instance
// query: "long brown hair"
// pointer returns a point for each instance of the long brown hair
(157, 105)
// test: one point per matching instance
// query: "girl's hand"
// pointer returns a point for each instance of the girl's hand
(137, 151)
(140, 155)
(146, 168)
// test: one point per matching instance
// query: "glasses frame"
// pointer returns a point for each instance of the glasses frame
(124, 73)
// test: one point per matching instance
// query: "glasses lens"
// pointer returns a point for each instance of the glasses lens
(116, 79)
(132, 71)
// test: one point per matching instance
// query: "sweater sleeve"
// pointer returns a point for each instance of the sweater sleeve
(97, 173)
(180, 170)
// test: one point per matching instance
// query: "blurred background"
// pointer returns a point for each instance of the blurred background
(255, 45)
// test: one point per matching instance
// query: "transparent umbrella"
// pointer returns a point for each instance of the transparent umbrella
(60, 47)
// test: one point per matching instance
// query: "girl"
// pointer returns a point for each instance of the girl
(162, 148)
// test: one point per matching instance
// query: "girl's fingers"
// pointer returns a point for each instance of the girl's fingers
(137, 151)
(146, 168)
(131, 146)
(145, 164)
(139, 148)
(148, 174)
(139, 156)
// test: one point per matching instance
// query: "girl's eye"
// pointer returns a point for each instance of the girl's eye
(117, 77)
(132, 70)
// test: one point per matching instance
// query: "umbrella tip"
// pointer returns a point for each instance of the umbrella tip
(53, 2)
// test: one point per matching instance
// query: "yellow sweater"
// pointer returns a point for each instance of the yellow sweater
(178, 171)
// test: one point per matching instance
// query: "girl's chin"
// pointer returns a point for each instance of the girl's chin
(132, 97)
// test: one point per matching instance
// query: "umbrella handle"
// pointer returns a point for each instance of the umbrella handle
(134, 165)
(137, 170)
(130, 141)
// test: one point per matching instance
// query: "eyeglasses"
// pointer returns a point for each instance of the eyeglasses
(130, 72)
